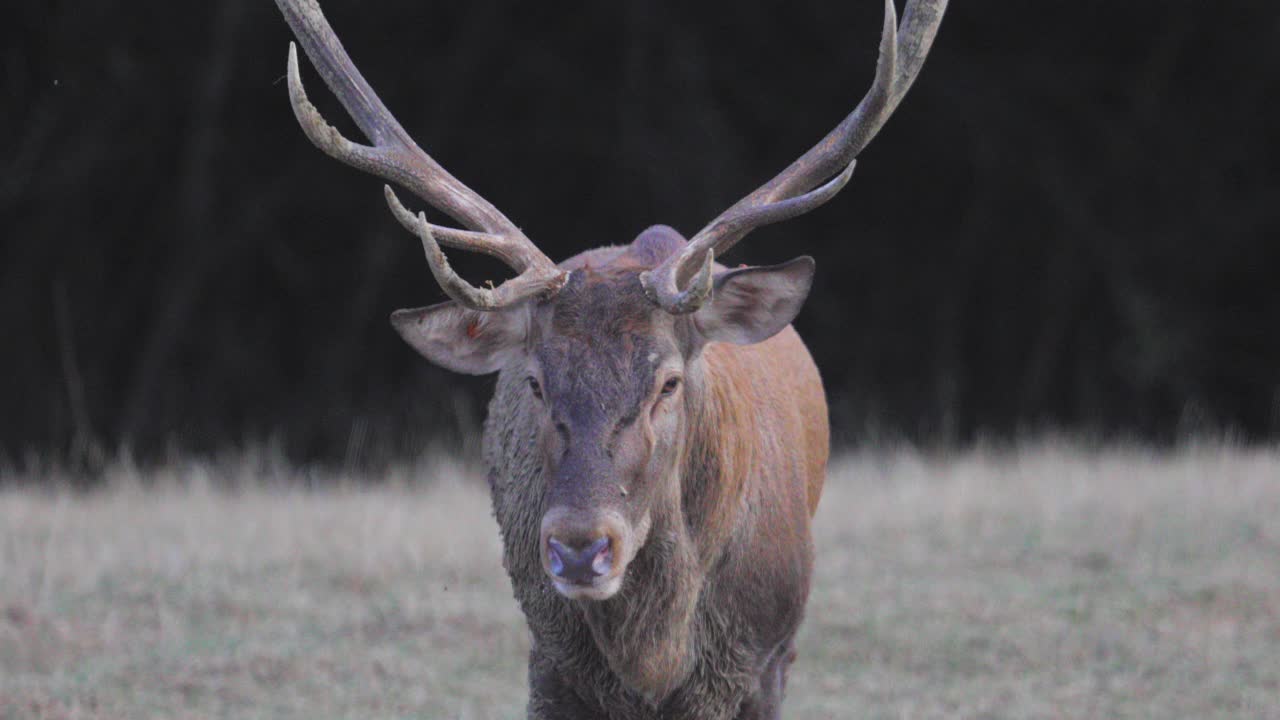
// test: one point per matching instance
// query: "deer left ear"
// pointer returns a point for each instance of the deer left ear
(752, 304)
(462, 340)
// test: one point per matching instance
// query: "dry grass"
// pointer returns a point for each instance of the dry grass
(1044, 583)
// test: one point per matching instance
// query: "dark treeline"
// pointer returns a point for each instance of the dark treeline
(1070, 224)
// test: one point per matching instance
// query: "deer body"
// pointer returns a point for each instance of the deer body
(658, 439)
(705, 619)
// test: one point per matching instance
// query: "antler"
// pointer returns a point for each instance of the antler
(395, 157)
(814, 178)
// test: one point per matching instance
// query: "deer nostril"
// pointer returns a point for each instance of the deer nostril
(579, 565)
(601, 556)
(556, 554)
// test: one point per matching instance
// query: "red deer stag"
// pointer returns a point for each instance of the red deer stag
(658, 439)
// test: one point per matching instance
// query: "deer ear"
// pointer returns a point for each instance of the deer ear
(462, 340)
(752, 304)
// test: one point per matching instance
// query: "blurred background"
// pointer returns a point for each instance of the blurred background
(1069, 226)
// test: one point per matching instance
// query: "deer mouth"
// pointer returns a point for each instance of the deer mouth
(601, 588)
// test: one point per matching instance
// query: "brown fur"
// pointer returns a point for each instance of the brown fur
(703, 625)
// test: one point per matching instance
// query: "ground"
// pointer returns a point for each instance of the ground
(1046, 582)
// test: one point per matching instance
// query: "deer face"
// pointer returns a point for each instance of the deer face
(614, 383)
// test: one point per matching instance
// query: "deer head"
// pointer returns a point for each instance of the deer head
(606, 345)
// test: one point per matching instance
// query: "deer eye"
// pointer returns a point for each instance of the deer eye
(534, 387)
(670, 386)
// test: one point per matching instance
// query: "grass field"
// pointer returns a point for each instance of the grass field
(1044, 583)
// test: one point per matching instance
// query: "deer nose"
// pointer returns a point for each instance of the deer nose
(579, 563)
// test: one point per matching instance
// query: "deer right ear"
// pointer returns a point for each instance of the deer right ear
(462, 340)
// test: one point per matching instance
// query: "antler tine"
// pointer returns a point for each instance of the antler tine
(394, 156)
(816, 176)
(465, 293)
(532, 282)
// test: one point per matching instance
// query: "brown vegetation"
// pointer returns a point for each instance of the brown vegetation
(1044, 583)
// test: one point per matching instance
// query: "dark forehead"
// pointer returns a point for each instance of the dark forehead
(603, 296)
(600, 342)
(602, 303)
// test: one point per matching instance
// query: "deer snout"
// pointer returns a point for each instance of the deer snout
(585, 556)
(579, 564)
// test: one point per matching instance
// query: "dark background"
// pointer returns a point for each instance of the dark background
(1070, 224)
